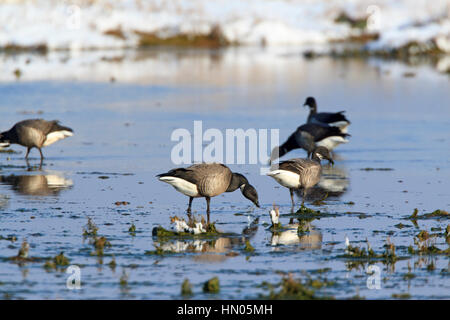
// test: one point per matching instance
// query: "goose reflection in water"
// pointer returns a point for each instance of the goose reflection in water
(298, 236)
(49, 184)
(309, 239)
(211, 250)
(333, 184)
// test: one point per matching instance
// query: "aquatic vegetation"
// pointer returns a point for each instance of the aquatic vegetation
(439, 214)
(401, 296)
(23, 251)
(291, 289)
(320, 202)
(212, 285)
(401, 226)
(211, 232)
(367, 255)
(59, 260)
(426, 244)
(186, 288)
(158, 251)
(23, 254)
(100, 244)
(9, 151)
(91, 229)
(248, 247)
(123, 281)
(112, 264)
(9, 238)
(132, 229)
(305, 210)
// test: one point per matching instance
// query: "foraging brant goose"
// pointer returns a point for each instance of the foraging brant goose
(301, 173)
(208, 180)
(35, 133)
(308, 137)
(336, 119)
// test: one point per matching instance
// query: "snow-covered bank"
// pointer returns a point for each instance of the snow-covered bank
(106, 24)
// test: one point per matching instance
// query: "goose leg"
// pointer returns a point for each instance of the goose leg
(190, 204)
(28, 152)
(208, 199)
(305, 192)
(292, 197)
(189, 209)
(42, 158)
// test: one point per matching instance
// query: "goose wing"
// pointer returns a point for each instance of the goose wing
(309, 171)
(329, 117)
(320, 132)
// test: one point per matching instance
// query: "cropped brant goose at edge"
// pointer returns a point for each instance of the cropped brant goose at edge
(336, 119)
(208, 180)
(35, 133)
(308, 137)
(301, 173)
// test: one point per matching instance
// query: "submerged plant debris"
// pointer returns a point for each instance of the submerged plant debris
(212, 285)
(292, 289)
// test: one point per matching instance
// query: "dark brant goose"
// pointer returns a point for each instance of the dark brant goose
(308, 137)
(301, 173)
(208, 180)
(35, 133)
(336, 119)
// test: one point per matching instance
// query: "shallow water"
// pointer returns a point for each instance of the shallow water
(122, 140)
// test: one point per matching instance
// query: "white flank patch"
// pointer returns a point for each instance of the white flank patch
(286, 178)
(342, 125)
(55, 136)
(181, 185)
(331, 142)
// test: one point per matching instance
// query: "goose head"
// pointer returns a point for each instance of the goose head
(250, 193)
(310, 102)
(320, 153)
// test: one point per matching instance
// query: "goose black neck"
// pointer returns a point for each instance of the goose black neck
(237, 180)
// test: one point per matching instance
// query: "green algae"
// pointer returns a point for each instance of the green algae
(292, 289)
(186, 288)
(248, 247)
(212, 285)
(56, 262)
(439, 214)
(211, 232)
(90, 230)
(426, 244)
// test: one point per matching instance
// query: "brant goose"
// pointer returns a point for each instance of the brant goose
(35, 133)
(336, 119)
(308, 137)
(208, 180)
(301, 173)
